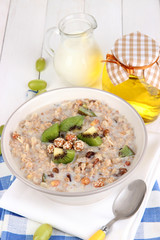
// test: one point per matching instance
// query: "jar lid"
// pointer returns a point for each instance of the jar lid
(135, 54)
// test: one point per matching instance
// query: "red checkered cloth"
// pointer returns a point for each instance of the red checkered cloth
(135, 54)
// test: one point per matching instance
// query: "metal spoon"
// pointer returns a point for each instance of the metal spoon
(125, 205)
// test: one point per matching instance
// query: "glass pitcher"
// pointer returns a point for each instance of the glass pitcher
(77, 58)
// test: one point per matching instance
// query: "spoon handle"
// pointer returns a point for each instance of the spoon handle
(99, 235)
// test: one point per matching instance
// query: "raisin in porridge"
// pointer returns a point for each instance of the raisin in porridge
(74, 146)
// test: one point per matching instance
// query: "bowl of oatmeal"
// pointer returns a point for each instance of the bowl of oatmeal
(74, 144)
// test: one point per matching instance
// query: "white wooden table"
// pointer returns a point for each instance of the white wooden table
(23, 24)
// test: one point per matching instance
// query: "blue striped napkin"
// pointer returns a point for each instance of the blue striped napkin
(16, 227)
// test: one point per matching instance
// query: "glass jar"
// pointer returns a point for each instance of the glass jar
(142, 96)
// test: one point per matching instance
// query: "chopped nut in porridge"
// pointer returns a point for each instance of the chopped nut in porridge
(74, 146)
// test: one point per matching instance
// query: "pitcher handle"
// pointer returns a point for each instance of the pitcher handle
(48, 47)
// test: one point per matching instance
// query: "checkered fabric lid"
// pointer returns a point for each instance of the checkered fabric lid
(135, 54)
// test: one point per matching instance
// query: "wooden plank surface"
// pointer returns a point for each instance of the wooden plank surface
(142, 15)
(4, 12)
(22, 46)
(56, 10)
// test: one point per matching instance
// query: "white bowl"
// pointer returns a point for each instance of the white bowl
(56, 96)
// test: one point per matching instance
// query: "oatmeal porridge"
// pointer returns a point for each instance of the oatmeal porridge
(74, 146)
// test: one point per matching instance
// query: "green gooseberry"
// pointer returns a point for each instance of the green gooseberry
(37, 84)
(43, 232)
(40, 64)
(1, 129)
